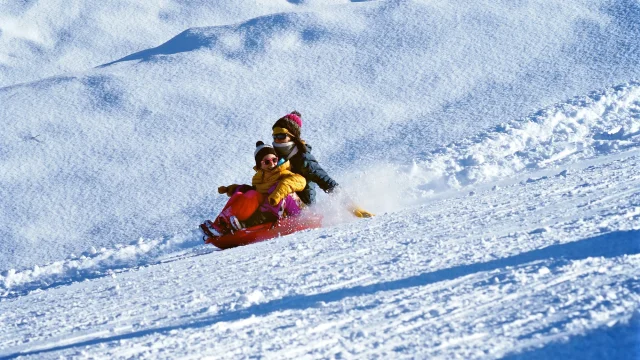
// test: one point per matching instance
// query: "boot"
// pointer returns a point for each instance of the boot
(235, 223)
(214, 228)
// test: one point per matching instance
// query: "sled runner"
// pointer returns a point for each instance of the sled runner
(266, 231)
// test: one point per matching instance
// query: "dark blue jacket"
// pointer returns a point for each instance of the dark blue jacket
(307, 165)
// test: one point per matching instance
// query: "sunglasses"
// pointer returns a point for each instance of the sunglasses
(280, 136)
(269, 161)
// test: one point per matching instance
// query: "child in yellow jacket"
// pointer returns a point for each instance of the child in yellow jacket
(272, 195)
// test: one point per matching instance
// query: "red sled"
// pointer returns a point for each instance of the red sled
(266, 231)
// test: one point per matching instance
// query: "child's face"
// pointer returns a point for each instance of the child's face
(269, 162)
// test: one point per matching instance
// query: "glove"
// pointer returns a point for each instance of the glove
(272, 201)
(229, 190)
(360, 212)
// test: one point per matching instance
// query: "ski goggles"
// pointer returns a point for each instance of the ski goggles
(281, 133)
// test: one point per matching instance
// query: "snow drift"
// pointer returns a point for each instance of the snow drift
(601, 123)
(46, 38)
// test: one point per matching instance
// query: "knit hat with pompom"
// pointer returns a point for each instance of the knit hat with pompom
(261, 150)
(291, 122)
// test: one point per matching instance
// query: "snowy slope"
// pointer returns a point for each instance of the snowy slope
(498, 142)
(602, 124)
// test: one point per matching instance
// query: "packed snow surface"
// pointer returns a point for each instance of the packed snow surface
(497, 142)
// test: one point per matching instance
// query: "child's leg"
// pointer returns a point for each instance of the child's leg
(240, 205)
(290, 206)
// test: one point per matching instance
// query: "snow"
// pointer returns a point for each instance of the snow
(497, 142)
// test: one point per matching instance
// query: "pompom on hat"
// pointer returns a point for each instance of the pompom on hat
(261, 150)
(289, 124)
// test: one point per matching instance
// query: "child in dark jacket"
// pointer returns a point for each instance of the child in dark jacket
(289, 145)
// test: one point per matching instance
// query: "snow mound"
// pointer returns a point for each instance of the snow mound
(600, 123)
(41, 38)
(95, 263)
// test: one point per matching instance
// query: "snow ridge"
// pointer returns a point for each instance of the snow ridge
(601, 123)
(598, 124)
(97, 263)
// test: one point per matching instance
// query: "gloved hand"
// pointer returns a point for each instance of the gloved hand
(272, 201)
(360, 212)
(229, 190)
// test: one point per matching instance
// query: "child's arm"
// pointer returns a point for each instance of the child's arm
(288, 184)
(231, 189)
(315, 173)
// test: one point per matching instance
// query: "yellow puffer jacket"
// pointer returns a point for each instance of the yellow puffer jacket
(288, 182)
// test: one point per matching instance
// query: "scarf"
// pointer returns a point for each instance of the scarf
(286, 150)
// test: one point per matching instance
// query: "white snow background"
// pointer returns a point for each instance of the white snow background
(498, 143)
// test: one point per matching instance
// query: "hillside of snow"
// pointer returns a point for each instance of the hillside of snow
(497, 142)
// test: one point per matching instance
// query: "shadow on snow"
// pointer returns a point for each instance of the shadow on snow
(621, 341)
(188, 40)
